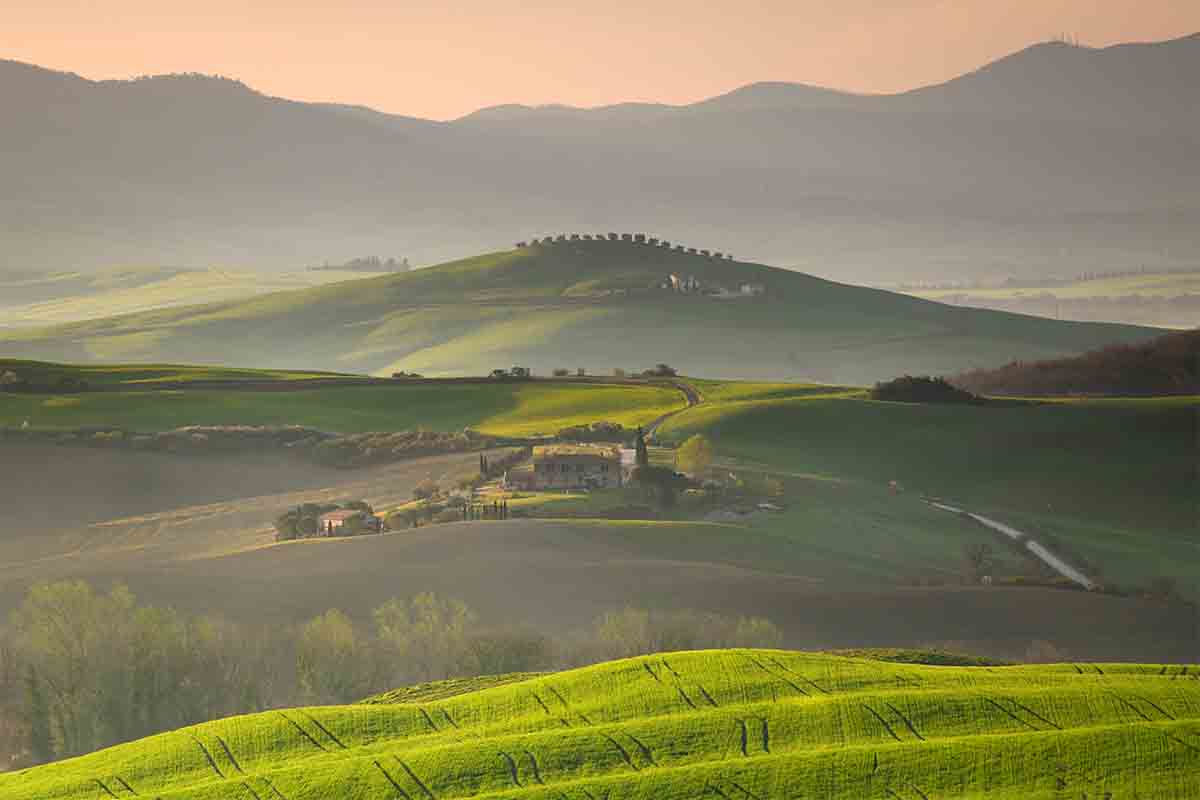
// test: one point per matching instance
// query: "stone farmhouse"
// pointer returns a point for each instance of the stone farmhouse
(569, 466)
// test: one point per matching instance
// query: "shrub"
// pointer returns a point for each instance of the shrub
(425, 490)
(596, 432)
(664, 483)
(448, 515)
(695, 455)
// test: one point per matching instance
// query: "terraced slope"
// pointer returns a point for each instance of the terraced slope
(723, 724)
(585, 304)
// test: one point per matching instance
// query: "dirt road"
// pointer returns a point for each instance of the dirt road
(694, 398)
(1039, 551)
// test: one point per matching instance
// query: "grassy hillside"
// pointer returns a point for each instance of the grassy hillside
(46, 375)
(581, 304)
(499, 408)
(738, 723)
(1113, 480)
(39, 299)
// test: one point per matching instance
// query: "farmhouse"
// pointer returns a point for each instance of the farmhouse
(574, 466)
(331, 523)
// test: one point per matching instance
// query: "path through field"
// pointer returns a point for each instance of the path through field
(694, 398)
(1045, 556)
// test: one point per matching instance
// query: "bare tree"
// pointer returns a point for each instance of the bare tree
(979, 559)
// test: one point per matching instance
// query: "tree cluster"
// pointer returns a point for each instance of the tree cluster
(81, 670)
(303, 521)
(596, 432)
(628, 238)
(1167, 365)
(369, 264)
(923, 389)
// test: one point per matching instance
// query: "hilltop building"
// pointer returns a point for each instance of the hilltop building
(569, 466)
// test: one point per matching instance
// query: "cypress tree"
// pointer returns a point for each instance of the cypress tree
(643, 455)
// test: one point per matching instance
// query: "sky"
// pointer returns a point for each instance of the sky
(443, 60)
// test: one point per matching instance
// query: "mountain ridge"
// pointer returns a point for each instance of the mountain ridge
(1004, 171)
(778, 87)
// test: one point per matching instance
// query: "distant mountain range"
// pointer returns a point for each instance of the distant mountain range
(1052, 160)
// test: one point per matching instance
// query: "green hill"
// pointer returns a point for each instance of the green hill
(592, 304)
(29, 298)
(161, 398)
(1112, 482)
(725, 724)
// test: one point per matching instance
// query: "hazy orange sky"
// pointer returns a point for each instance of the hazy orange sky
(444, 60)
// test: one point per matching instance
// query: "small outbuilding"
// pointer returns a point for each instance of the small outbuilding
(333, 523)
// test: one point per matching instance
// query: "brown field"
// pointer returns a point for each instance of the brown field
(200, 539)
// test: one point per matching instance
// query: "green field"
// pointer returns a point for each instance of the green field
(32, 299)
(1114, 481)
(725, 724)
(587, 304)
(141, 376)
(498, 408)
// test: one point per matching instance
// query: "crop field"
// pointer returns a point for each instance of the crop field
(727, 724)
(1115, 480)
(502, 409)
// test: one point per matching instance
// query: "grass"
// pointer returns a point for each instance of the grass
(502, 409)
(735, 723)
(136, 376)
(1114, 480)
(582, 305)
(71, 296)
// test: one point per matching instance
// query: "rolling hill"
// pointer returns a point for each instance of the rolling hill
(29, 298)
(731, 723)
(1110, 481)
(1054, 160)
(587, 303)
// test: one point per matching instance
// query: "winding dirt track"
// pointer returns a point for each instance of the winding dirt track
(1044, 555)
(694, 398)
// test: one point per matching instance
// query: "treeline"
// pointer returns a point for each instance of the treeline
(368, 264)
(16, 382)
(1167, 365)
(82, 669)
(922, 389)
